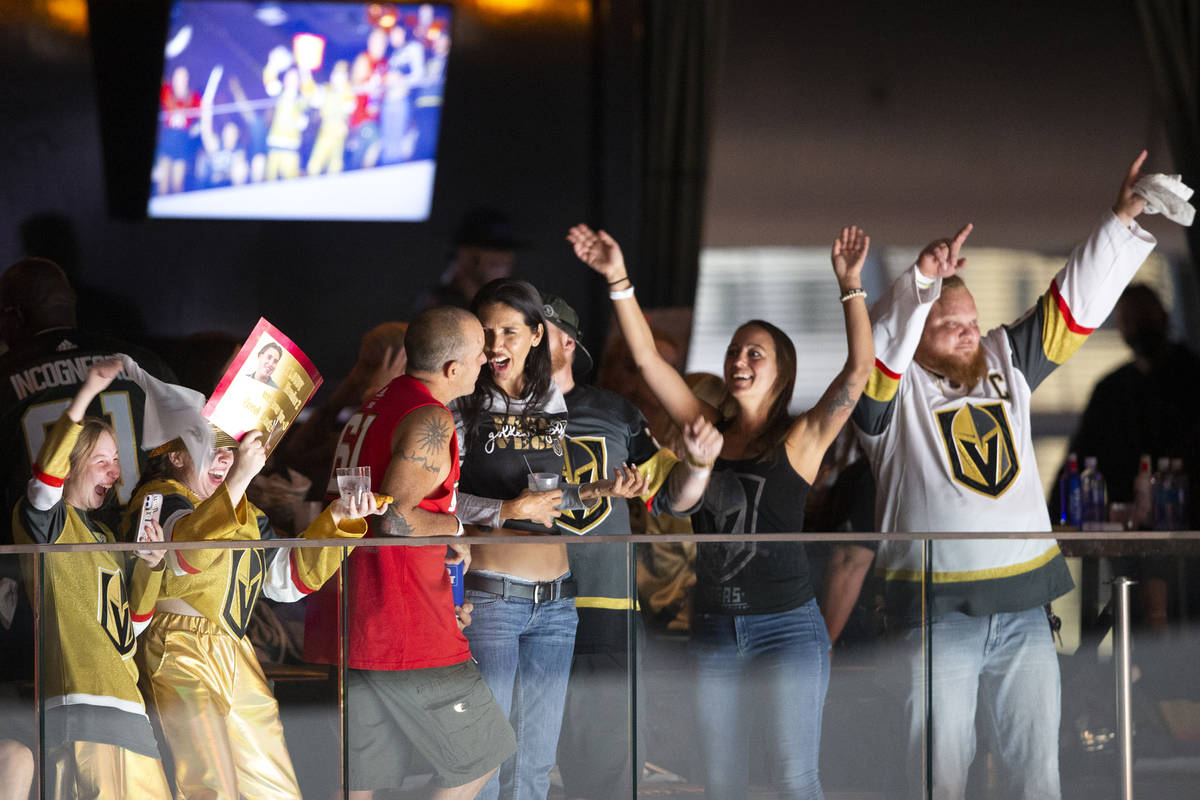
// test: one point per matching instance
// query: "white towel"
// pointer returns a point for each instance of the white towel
(1166, 195)
(172, 411)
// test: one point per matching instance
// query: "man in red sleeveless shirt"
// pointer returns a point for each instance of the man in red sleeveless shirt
(410, 677)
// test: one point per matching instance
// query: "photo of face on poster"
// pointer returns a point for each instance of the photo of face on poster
(265, 387)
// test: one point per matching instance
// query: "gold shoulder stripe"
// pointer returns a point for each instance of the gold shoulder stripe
(883, 383)
(1061, 334)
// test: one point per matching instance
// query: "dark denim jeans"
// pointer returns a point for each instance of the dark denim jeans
(524, 653)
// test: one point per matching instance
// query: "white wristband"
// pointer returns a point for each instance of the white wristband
(621, 294)
(459, 532)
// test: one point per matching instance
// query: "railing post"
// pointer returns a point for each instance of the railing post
(1123, 666)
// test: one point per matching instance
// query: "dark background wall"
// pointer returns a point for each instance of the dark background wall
(904, 118)
(912, 118)
(516, 134)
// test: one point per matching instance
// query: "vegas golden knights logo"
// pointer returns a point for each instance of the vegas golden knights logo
(979, 444)
(585, 460)
(112, 611)
(245, 582)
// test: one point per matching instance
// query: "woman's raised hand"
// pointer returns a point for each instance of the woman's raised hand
(599, 251)
(848, 256)
(100, 377)
(249, 459)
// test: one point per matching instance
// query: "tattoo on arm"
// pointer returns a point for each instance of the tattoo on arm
(426, 464)
(431, 444)
(433, 436)
(841, 400)
(394, 524)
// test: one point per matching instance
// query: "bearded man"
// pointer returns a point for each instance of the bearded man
(949, 441)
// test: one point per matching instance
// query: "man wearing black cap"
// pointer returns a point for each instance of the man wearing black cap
(485, 248)
(604, 429)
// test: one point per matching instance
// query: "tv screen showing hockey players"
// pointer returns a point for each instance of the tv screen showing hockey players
(299, 110)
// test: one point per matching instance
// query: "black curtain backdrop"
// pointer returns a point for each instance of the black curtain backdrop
(681, 57)
(1172, 34)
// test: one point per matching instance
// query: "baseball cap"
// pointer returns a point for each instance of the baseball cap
(559, 313)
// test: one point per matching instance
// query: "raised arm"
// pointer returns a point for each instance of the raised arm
(602, 253)
(207, 136)
(897, 321)
(814, 430)
(1085, 290)
(420, 464)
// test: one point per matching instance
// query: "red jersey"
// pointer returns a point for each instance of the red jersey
(369, 93)
(401, 610)
(180, 113)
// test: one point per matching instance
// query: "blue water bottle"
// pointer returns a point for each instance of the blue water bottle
(1074, 493)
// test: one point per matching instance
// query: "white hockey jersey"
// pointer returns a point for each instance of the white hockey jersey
(947, 460)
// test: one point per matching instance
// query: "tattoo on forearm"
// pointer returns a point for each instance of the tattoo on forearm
(394, 524)
(434, 435)
(841, 400)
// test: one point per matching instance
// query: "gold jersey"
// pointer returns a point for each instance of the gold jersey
(223, 584)
(93, 604)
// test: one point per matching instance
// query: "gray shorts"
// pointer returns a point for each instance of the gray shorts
(447, 714)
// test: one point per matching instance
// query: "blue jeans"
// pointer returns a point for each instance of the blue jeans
(524, 652)
(1006, 662)
(766, 671)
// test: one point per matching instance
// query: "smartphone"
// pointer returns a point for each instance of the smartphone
(151, 508)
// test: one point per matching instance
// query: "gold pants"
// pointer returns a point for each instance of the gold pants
(91, 771)
(328, 150)
(217, 712)
(283, 164)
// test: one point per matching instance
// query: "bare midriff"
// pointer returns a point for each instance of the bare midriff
(536, 561)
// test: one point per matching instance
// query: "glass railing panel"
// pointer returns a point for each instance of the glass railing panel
(1163, 649)
(184, 676)
(643, 690)
(18, 708)
(743, 697)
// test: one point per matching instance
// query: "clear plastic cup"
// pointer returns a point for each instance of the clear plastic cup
(543, 481)
(353, 482)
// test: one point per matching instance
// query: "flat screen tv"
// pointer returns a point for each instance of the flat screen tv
(299, 110)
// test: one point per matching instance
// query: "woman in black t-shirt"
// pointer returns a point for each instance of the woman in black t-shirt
(761, 645)
(523, 620)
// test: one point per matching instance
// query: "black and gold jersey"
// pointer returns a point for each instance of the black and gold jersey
(223, 584)
(40, 378)
(93, 604)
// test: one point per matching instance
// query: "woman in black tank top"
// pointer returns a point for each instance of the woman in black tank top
(761, 646)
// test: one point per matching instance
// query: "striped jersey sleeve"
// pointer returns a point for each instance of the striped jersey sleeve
(897, 321)
(1079, 299)
(293, 573)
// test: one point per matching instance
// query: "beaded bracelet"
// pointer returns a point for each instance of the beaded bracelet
(850, 294)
